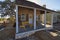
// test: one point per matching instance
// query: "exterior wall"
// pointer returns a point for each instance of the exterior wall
(25, 11)
(42, 18)
(55, 18)
(48, 18)
(37, 15)
(29, 12)
(58, 17)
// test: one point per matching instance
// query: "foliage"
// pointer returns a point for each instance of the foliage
(1, 19)
(9, 8)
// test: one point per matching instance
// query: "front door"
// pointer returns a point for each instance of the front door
(30, 19)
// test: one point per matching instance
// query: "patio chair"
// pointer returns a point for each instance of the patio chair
(24, 24)
(31, 25)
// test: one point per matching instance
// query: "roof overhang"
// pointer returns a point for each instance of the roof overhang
(31, 5)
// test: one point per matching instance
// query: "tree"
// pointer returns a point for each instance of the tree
(9, 7)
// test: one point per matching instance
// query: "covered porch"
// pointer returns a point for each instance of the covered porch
(29, 19)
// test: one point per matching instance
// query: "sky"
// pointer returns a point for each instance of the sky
(1, 0)
(4, 0)
(50, 4)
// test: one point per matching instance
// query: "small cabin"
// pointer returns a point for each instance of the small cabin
(31, 17)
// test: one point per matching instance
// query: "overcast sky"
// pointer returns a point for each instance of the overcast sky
(51, 4)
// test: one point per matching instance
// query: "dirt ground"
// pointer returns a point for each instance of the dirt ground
(8, 33)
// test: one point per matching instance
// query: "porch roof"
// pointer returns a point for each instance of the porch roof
(31, 4)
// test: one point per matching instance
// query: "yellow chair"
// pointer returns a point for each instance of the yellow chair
(23, 24)
(26, 23)
(30, 25)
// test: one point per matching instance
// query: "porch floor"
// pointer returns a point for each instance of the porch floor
(21, 30)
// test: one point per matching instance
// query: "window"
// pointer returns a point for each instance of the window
(23, 17)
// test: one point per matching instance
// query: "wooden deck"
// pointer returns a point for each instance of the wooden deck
(27, 28)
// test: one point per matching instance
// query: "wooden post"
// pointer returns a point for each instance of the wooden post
(52, 20)
(45, 19)
(34, 18)
(16, 19)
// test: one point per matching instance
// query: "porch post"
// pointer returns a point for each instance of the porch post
(45, 19)
(52, 20)
(16, 19)
(34, 18)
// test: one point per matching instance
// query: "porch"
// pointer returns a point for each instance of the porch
(26, 19)
(29, 20)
